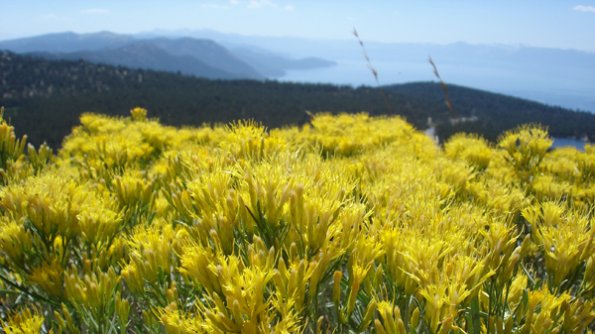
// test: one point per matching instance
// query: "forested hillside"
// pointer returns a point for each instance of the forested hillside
(45, 98)
(490, 113)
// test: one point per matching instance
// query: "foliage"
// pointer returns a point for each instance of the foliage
(349, 224)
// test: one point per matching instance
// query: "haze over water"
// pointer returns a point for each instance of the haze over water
(536, 86)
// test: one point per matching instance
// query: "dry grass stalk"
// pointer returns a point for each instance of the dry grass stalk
(372, 70)
(444, 88)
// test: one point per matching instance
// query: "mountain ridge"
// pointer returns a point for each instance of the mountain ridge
(142, 55)
(216, 61)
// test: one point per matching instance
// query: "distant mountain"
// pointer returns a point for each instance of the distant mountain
(208, 52)
(555, 76)
(201, 58)
(44, 99)
(190, 56)
(67, 42)
(147, 55)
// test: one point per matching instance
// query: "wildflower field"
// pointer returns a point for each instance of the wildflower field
(350, 224)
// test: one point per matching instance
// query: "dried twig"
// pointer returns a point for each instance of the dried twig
(444, 87)
(372, 70)
(369, 63)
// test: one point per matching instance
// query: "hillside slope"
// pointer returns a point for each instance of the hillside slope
(494, 112)
(45, 98)
(145, 55)
(181, 54)
(67, 42)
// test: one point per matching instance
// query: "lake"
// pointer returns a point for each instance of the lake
(569, 142)
(564, 91)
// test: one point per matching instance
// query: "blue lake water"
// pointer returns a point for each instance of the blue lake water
(569, 142)
(565, 90)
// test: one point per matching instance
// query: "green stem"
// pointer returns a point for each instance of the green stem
(26, 291)
(10, 292)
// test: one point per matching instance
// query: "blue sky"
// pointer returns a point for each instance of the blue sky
(551, 23)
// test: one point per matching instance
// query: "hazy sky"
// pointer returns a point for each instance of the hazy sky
(554, 23)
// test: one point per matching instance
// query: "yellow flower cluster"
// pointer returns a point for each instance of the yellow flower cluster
(350, 224)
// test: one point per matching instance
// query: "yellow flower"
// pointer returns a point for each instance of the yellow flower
(49, 277)
(133, 190)
(24, 322)
(94, 291)
(349, 222)
(391, 319)
(138, 114)
(470, 148)
(150, 250)
(14, 240)
(98, 223)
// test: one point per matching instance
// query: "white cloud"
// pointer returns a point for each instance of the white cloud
(95, 11)
(256, 4)
(289, 8)
(234, 2)
(585, 9)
